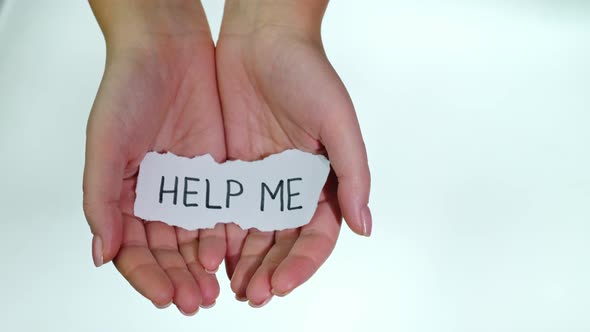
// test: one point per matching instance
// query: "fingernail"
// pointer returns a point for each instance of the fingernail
(241, 299)
(212, 271)
(162, 306)
(274, 292)
(188, 313)
(367, 221)
(208, 306)
(97, 251)
(261, 304)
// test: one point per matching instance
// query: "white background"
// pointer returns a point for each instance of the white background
(476, 115)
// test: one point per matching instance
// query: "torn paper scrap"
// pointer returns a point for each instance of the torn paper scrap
(276, 193)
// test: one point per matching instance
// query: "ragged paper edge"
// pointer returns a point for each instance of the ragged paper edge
(208, 158)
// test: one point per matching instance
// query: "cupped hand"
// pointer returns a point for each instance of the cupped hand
(279, 91)
(158, 93)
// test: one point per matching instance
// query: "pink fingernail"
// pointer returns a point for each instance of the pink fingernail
(162, 306)
(274, 292)
(212, 271)
(261, 304)
(367, 221)
(188, 313)
(208, 306)
(97, 256)
(241, 299)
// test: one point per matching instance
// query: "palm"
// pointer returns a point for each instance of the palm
(158, 101)
(273, 93)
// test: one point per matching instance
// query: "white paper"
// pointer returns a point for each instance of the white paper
(198, 192)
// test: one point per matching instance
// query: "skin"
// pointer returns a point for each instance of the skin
(279, 91)
(158, 93)
(267, 87)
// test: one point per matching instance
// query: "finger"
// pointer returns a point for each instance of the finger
(103, 178)
(212, 247)
(341, 135)
(235, 237)
(315, 243)
(164, 246)
(259, 290)
(128, 195)
(137, 264)
(255, 248)
(188, 242)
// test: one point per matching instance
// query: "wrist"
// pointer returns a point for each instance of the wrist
(302, 17)
(140, 22)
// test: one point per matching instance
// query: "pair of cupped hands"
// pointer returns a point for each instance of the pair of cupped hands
(266, 87)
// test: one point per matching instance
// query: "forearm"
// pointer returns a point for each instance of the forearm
(131, 21)
(299, 16)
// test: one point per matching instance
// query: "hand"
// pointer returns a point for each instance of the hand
(278, 92)
(158, 93)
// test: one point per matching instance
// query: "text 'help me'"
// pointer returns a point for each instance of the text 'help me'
(278, 192)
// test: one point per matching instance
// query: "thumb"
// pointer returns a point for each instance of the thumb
(103, 177)
(341, 135)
